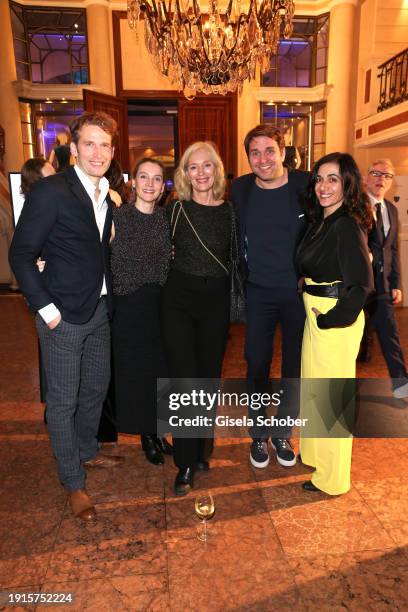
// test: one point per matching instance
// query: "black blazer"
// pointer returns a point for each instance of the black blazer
(240, 192)
(58, 222)
(385, 253)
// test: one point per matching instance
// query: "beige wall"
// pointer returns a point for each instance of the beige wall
(391, 27)
(398, 155)
(138, 69)
(383, 33)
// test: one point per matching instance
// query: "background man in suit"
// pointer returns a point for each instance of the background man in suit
(67, 219)
(270, 223)
(383, 244)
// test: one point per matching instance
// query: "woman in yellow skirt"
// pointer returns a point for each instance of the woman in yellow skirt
(333, 258)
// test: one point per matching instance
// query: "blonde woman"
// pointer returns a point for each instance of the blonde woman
(195, 305)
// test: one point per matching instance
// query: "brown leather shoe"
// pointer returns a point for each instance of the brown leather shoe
(81, 505)
(104, 461)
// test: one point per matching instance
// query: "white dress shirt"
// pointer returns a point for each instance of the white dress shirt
(384, 213)
(51, 312)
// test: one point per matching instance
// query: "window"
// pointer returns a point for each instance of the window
(304, 129)
(27, 129)
(45, 125)
(301, 61)
(50, 44)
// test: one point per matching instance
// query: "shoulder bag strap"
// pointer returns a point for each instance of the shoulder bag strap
(173, 226)
(201, 242)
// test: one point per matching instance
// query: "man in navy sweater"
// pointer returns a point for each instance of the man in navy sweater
(271, 223)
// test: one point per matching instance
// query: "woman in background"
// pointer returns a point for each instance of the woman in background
(195, 306)
(60, 156)
(33, 170)
(333, 257)
(117, 186)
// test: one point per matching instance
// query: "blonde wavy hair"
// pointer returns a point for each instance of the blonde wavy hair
(181, 180)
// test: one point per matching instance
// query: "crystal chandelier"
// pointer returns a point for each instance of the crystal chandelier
(211, 52)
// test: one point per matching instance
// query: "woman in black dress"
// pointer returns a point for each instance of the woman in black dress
(195, 306)
(140, 254)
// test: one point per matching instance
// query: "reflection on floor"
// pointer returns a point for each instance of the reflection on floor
(272, 545)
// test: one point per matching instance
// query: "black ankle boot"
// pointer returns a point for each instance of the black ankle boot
(152, 452)
(164, 446)
(184, 481)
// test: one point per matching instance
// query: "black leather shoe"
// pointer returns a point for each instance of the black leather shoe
(202, 466)
(152, 452)
(364, 357)
(164, 446)
(184, 481)
(309, 486)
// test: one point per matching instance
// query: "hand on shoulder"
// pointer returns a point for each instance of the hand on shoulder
(115, 197)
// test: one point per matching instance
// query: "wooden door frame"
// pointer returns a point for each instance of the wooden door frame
(120, 104)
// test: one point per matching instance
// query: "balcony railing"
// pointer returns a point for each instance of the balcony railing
(393, 85)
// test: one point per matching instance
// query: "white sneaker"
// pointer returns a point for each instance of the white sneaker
(401, 392)
(259, 456)
(284, 452)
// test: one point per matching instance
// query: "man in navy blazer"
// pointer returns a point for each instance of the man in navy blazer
(67, 220)
(383, 244)
(271, 223)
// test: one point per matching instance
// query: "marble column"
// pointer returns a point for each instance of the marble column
(341, 72)
(9, 106)
(100, 44)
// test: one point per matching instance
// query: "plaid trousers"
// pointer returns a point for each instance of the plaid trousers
(76, 360)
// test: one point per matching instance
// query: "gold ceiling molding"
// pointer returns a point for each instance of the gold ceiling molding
(292, 95)
(55, 92)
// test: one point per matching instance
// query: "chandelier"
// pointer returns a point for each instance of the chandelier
(213, 52)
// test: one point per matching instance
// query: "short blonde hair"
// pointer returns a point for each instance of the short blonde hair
(383, 161)
(181, 180)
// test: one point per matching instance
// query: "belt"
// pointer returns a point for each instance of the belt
(332, 291)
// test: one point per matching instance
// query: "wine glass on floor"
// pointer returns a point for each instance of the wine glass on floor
(204, 508)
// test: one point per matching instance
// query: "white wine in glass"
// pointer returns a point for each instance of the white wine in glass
(204, 507)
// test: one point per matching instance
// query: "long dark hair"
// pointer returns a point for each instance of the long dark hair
(355, 202)
(31, 173)
(114, 174)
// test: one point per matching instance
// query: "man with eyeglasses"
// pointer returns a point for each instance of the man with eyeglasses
(67, 219)
(383, 244)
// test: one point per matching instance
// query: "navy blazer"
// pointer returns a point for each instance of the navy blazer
(58, 223)
(240, 193)
(385, 252)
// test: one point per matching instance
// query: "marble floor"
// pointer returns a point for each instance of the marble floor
(272, 546)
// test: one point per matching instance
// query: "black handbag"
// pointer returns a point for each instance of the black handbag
(237, 295)
(237, 305)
